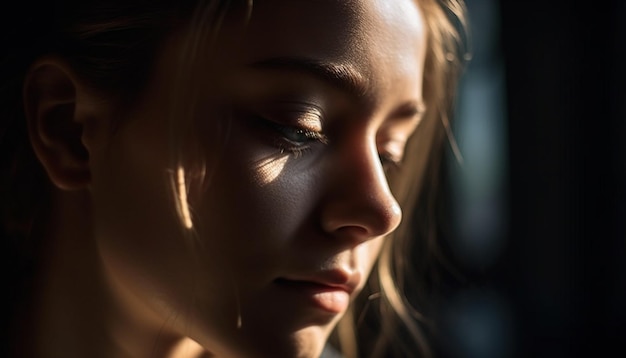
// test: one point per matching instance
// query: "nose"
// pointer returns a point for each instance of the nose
(359, 204)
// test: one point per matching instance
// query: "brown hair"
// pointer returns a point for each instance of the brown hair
(112, 46)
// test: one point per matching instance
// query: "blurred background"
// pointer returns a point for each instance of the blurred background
(539, 201)
(539, 206)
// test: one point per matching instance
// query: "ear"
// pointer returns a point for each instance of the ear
(51, 100)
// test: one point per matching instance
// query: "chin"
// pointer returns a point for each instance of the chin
(308, 342)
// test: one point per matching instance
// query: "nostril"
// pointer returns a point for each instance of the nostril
(363, 222)
(353, 232)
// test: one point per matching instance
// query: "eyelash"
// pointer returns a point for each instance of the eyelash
(298, 148)
(389, 162)
(295, 146)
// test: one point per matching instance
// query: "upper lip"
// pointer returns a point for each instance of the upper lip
(335, 278)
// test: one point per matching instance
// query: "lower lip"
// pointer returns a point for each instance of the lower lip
(329, 299)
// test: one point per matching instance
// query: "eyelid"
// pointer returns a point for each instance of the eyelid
(309, 135)
(392, 149)
(297, 125)
(305, 115)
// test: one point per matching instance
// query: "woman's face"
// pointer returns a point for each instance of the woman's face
(293, 115)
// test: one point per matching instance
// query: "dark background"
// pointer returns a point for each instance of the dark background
(562, 272)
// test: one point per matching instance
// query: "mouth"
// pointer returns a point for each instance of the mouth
(330, 297)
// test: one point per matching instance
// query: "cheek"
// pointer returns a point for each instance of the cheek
(142, 243)
(255, 204)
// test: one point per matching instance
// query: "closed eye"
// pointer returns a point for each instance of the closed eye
(293, 139)
(389, 162)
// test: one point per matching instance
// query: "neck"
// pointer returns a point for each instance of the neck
(75, 311)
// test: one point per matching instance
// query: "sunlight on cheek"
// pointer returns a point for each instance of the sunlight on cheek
(269, 169)
(183, 204)
(187, 347)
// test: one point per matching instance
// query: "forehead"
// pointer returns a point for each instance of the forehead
(383, 40)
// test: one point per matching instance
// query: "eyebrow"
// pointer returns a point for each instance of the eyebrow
(342, 76)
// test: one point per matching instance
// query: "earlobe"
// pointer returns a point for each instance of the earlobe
(55, 127)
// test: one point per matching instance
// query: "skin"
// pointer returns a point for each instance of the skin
(273, 205)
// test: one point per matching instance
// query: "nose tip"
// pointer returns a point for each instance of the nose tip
(358, 204)
(364, 212)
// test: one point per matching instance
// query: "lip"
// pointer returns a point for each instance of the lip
(329, 291)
